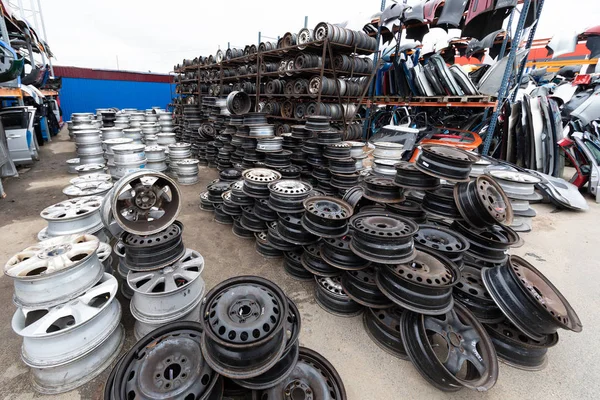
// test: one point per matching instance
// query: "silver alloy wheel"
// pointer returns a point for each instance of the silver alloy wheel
(64, 378)
(72, 164)
(55, 270)
(170, 293)
(145, 202)
(141, 329)
(388, 150)
(87, 169)
(90, 177)
(73, 216)
(65, 332)
(89, 188)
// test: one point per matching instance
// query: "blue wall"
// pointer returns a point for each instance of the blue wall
(86, 95)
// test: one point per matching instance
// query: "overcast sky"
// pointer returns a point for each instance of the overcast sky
(149, 35)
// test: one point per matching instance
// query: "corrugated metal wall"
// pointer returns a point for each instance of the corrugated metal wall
(86, 95)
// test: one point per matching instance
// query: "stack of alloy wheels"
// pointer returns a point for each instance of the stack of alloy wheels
(520, 189)
(74, 216)
(178, 152)
(67, 312)
(246, 347)
(426, 264)
(96, 184)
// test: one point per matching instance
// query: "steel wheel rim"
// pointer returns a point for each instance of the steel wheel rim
(243, 299)
(454, 332)
(383, 327)
(330, 296)
(482, 202)
(361, 286)
(167, 343)
(313, 377)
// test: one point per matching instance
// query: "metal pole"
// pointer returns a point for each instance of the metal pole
(35, 13)
(504, 87)
(306, 21)
(45, 36)
(117, 62)
(259, 36)
(540, 5)
(372, 83)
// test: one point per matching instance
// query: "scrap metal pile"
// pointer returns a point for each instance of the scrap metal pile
(129, 140)
(423, 254)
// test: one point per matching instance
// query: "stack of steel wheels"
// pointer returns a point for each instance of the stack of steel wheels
(422, 261)
(67, 312)
(178, 152)
(247, 347)
(88, 144)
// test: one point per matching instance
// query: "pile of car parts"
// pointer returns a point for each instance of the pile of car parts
(247, 347)
(66, 312)
(410, 254)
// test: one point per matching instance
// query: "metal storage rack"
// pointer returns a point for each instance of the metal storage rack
(217, 74)
(490, 103)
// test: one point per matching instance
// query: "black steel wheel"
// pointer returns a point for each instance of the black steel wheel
(313, 262)
(482, 202)
(517, 350)
(383, 327)
(382, 190)
(286, 195)
(166, 363)
(239, 231)
(205, 203)
(238, 196)
(288, 360)
(361, 287)
(443, 240)
(276, 241)
(216, 190)
(328, 137)
(229, 175)
(471, 293)
(344, 181)
(337, 253)
(289, 227)
(440, 203)
(263, 211)
(251, 222)
(445, 162)
(263, 247)
(331, 297)
(221, 217)
(383, 238)
(529, 300)
(151, 252)
(355, 197)
(245, 333)
(338, 150)
(291, 172)
(321, 173)
(256, 181)
(409, 177)
(292, 264)
(450, 351)
(409, 209)
(342, 165)
(326, 216)
(313, 377)
(317, 123)
(490, 244)
(229, 207)
(423, 285)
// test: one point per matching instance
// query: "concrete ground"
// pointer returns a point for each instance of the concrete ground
(562, 245)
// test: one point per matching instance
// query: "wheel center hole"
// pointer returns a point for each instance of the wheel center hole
(244, 311)
(416, 265)
(172, 371)
(382, 226)
(538, 292)
(298, 394)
